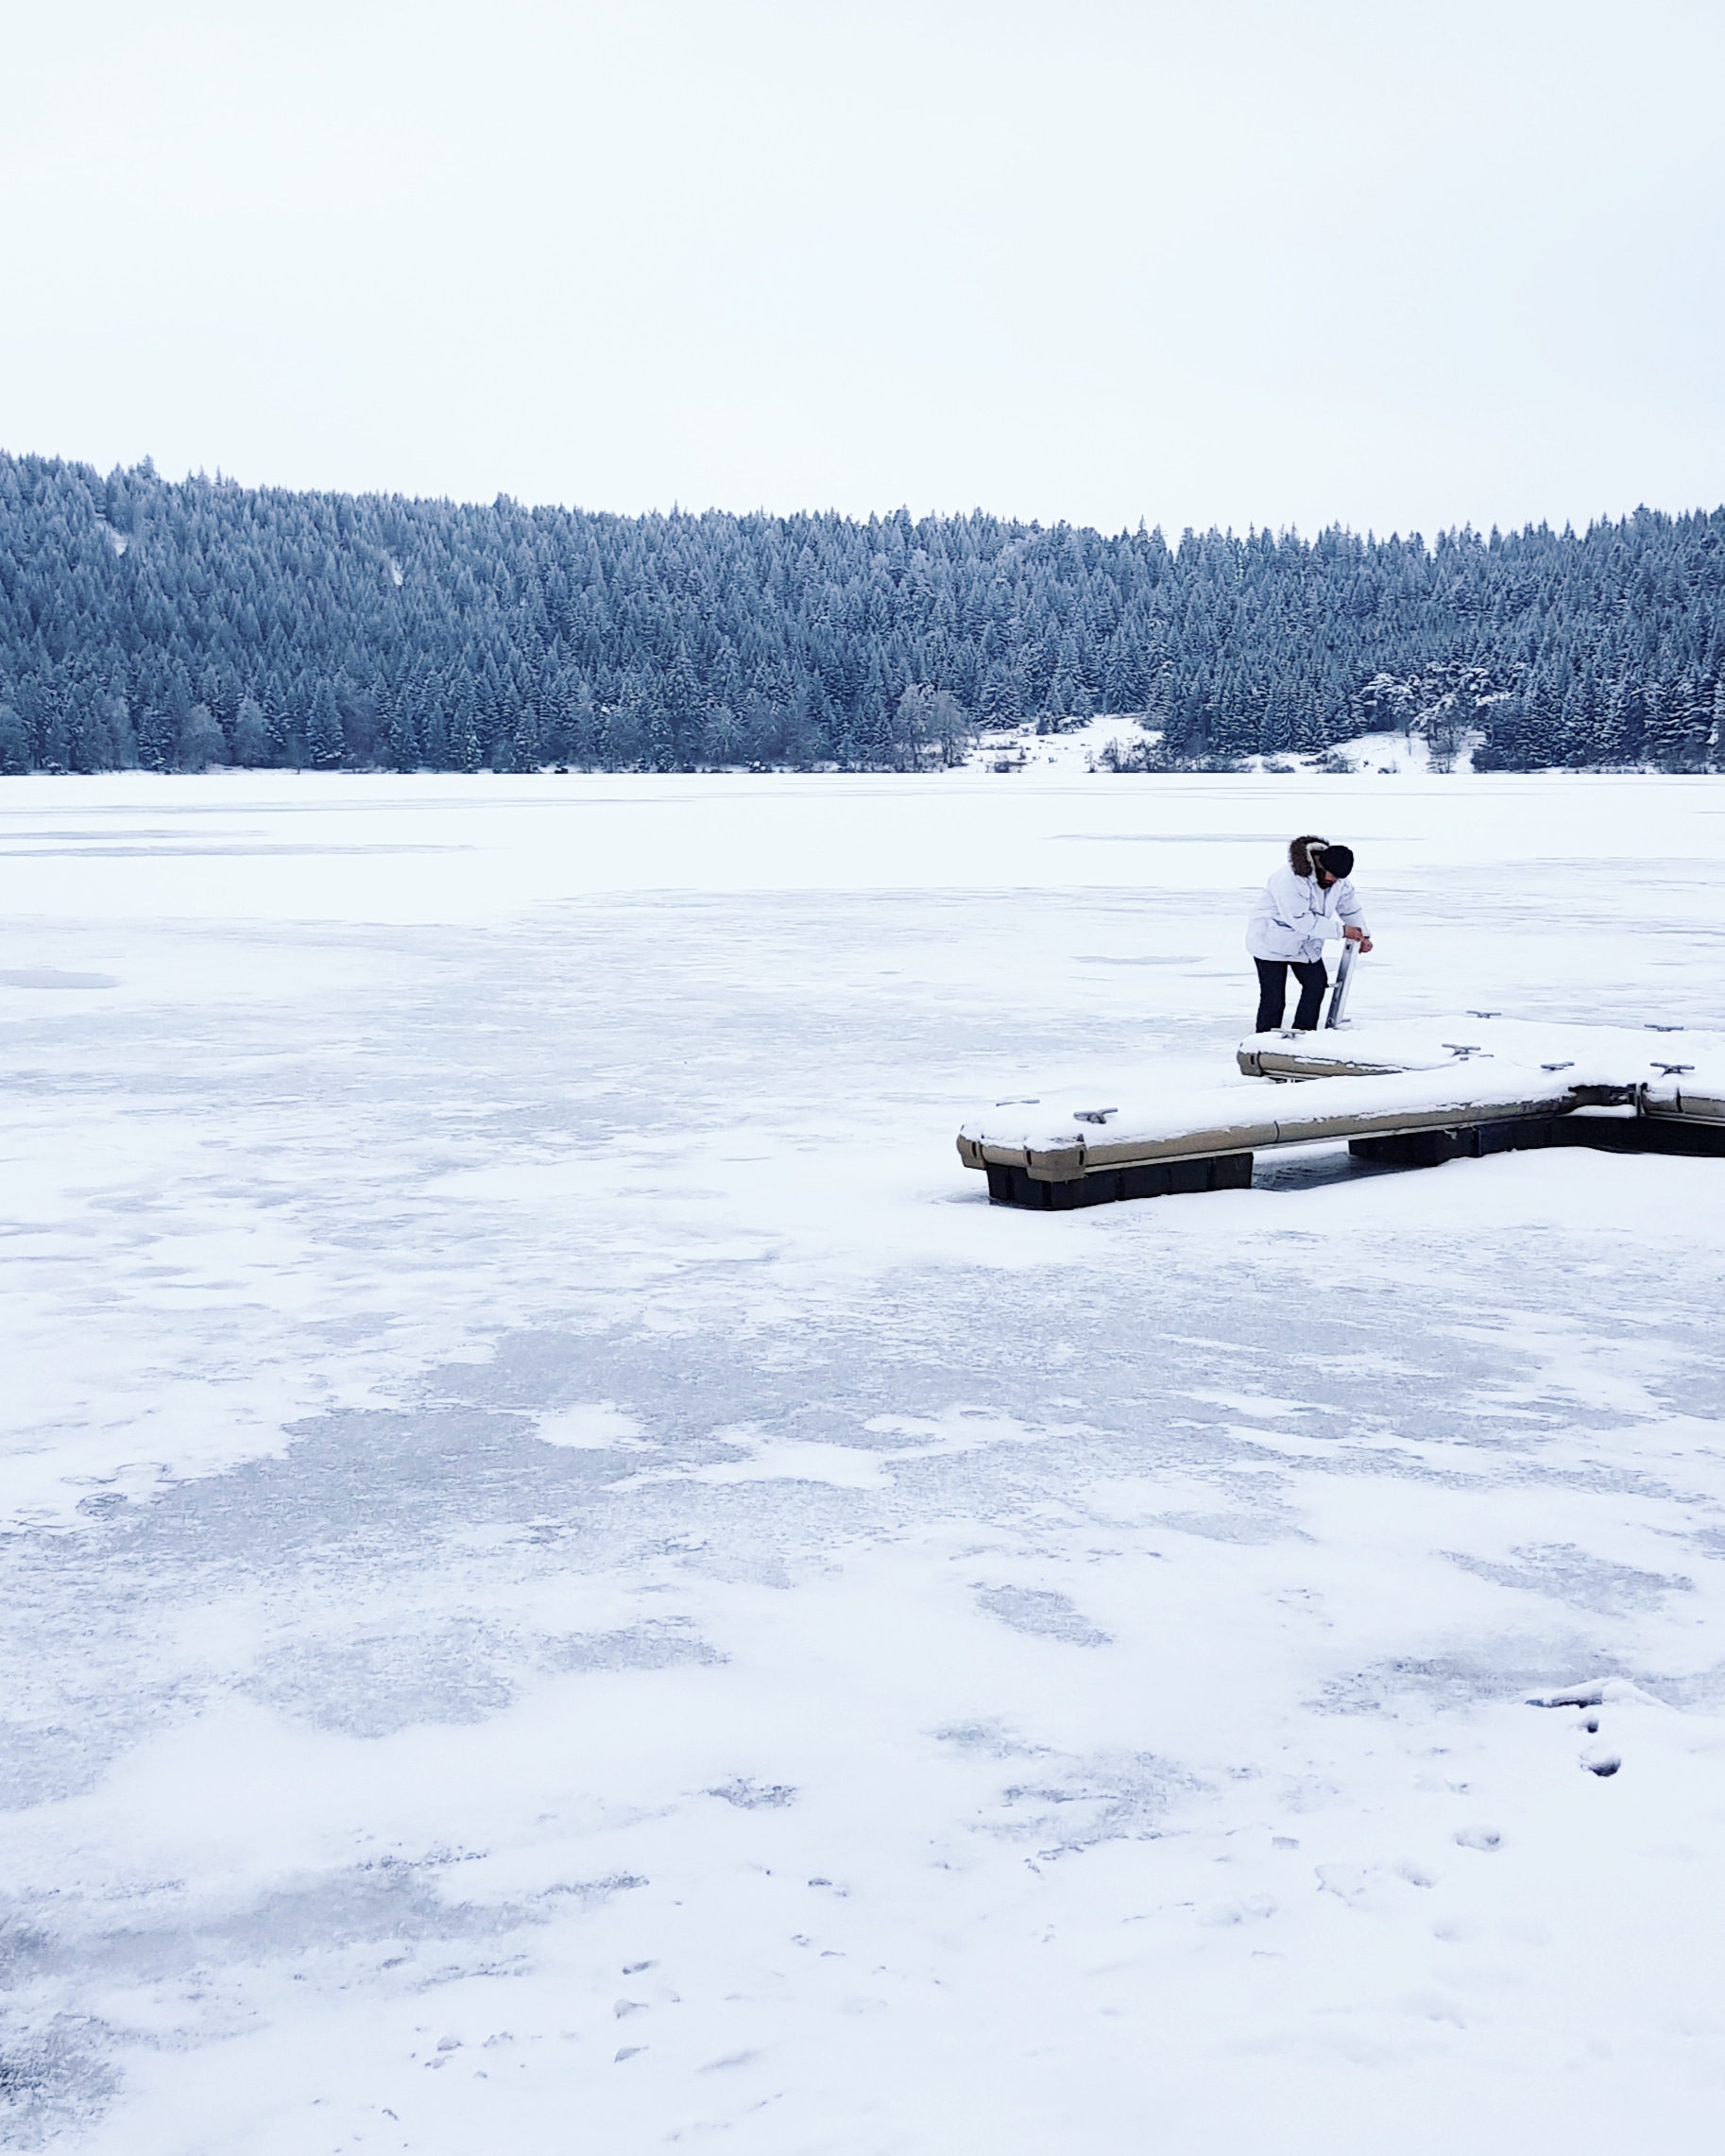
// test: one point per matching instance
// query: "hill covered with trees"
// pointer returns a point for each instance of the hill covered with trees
(173, 624)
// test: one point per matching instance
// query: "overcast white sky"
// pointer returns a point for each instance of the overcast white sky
(1394, 265)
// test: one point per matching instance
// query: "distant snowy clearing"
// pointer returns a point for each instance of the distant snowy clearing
(572, 1585)
(1086, 747)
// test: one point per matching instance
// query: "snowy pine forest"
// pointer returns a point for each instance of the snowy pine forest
(179, 624)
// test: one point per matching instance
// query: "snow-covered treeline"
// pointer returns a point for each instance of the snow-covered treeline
(144, 622)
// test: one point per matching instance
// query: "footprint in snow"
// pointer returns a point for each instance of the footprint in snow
(1601, 1758)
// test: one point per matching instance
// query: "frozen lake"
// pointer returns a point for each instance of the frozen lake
(559, 1544)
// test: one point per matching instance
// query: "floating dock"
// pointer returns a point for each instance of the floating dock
(1409, 1095)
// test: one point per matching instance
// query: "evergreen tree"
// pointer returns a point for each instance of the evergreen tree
(466, 750)
(200, 742)
(404, 750)
(325, 744)
(250, 734)
(16, 752)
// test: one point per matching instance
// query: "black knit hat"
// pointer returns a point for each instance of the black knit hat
(1337, 859)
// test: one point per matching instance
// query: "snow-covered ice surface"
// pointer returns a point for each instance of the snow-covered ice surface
(572, 1586)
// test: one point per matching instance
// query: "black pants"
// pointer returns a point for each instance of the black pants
(1273, 992)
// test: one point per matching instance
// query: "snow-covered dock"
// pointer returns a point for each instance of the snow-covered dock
(1405, 1095)
(1644, 1055)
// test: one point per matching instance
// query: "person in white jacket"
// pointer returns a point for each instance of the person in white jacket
(1300, 908)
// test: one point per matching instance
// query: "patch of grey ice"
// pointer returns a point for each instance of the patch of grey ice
(657, 1645)
(1041, 1612)
(372, 1682)
(55, 2078)
(1569, 1574)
